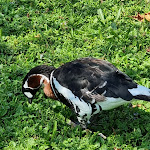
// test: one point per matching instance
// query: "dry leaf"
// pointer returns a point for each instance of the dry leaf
(136, 105)
(47, 9)
(138, 17)
(117, 148)
(37, 36)
(141, 17)
(114, 131)
(148, 50)
(28, 15)
(61, 17)
(147, 16)
(139, 105)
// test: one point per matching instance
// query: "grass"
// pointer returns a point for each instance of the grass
(36, 32)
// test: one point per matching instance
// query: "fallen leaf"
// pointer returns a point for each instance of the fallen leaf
(37, 36)
(61, 17)
(28, 15)
(47, 9)
(114, 131)
(148, 50)
(147, 16)
(138, 17)
(141, 17)
(136, 105)
(139, 105)
(117, 148)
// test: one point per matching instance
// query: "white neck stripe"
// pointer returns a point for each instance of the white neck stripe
(51, 80)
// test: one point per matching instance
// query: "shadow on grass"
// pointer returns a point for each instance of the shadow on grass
(124, 125)
(120, 120)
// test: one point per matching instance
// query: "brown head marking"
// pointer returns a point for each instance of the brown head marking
(34, 81)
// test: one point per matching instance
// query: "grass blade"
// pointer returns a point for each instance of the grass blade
(100, 14)
(54, 130)
(118, 15)
(0, 33)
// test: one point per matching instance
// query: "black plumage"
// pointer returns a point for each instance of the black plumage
(90, 74)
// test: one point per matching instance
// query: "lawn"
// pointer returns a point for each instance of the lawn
(54, 32)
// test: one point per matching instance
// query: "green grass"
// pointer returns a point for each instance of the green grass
(52, 32)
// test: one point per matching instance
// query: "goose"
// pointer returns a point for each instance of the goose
(87, 86)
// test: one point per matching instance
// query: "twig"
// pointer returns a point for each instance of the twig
(102, 135)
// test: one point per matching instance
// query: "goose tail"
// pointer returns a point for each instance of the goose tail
(140, 92)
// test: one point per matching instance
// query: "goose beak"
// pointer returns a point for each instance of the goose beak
(30, 100)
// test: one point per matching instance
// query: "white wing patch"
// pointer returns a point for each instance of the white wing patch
(101, 86)
(111, 103)
(140, 90)
(84, 107)
(98, 109)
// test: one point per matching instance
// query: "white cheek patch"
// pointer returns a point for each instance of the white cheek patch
(25, 85)
(28, 94)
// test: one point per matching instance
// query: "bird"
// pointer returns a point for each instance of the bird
(86, 85)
